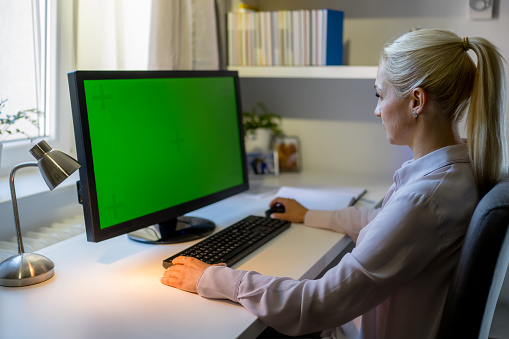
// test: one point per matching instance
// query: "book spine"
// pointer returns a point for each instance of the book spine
(296, 37)
(276, 57)
(231, 38)
(262, 39)
(258, 39)
(334, 39)
(307, 37)
(268, 37)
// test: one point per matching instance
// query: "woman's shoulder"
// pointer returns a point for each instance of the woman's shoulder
(447, 169)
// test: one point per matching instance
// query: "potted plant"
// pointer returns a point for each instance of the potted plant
(7, 121)
(261, 128)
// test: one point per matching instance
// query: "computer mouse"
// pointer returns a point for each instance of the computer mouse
(277, 208)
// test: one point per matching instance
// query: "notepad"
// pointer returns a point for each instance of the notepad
(322, 198)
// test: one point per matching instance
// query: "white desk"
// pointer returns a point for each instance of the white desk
(112, 290)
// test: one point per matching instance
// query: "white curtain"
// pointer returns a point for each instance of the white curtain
(113, 34)
(184, 35)
(158, 34)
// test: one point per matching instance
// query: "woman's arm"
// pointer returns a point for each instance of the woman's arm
(349, 220)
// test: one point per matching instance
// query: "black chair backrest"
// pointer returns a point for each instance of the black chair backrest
(477, 282)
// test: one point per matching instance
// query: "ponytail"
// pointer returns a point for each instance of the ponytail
(486, 134)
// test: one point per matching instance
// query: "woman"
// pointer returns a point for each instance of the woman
(398, 274)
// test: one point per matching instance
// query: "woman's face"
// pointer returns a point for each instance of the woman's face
(396, 114)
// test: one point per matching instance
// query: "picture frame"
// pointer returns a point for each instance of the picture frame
(262, 163)
(288, 150)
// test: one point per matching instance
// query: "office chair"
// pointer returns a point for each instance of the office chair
(476, 285)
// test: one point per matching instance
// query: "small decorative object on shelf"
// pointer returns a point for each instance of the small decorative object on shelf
(262, 163)
(288, 154)
(309, 37)
(260, 129)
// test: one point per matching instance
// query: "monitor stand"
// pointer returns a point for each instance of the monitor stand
(174, 231)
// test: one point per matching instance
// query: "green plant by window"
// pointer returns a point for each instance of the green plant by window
(7, 121)
(252, 121)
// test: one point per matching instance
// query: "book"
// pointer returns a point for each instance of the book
(332, 44)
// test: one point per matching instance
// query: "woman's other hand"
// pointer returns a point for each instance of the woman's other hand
(294, 211)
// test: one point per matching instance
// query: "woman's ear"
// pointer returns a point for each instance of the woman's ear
(419, 98)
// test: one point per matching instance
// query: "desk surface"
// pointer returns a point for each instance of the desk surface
(111, 289)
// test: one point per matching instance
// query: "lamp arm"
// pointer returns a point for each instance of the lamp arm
(21, 250)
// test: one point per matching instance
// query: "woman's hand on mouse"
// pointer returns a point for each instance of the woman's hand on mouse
(294, 211)
(185, 273)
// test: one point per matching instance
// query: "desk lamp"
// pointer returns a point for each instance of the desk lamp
(30, 268)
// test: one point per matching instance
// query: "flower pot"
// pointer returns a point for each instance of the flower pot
(259, 141)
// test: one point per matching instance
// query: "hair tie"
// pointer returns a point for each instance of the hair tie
(466, 44)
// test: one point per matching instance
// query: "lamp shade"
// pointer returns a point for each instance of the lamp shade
(54, 165)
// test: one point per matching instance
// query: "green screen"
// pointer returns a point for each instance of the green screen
(158, 143)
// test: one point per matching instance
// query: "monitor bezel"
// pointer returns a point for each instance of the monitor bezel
(87, 193)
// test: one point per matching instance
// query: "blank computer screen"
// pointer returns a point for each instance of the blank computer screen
(167, 140)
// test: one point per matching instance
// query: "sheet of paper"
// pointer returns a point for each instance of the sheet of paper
(355, 192)
(320, 198)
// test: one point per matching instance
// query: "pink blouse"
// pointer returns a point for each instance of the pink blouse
(398, 274)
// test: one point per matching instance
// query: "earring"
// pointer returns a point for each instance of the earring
(414, 113)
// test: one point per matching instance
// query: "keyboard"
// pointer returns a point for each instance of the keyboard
(234, 242)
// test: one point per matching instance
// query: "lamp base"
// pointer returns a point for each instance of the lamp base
(25, 269)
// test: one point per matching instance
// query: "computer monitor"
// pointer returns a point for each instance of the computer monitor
(155, 145)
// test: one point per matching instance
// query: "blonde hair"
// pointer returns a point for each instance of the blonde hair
(437, 61)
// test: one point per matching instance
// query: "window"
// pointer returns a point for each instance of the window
(23, 65)
(47, 69)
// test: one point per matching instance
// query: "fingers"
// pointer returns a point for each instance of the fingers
(184, 274)
(282, 201)
(173, 275)
(180, 260)
(170, 276)
(277, 215)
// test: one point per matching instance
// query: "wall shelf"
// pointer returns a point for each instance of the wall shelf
(315, 72)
